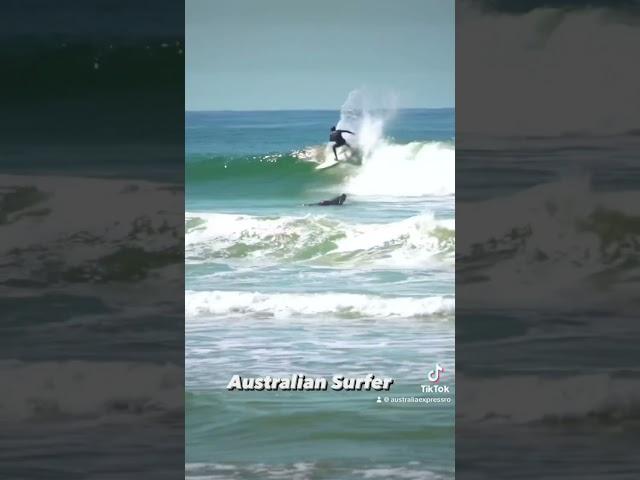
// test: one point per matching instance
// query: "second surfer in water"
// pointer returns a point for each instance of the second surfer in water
(339, 200)
(336, 137)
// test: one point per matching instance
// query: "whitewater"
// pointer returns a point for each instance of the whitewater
(275, 286)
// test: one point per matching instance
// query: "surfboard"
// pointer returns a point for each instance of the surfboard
(330, 162)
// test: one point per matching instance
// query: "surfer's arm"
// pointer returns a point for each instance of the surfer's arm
(346, 131)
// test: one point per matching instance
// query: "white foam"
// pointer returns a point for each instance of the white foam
(115, 214)
(553, 241)
(390, 169)
(412, 170)
(306, 470)
(399, 473)
(412, 242)
(287, 305)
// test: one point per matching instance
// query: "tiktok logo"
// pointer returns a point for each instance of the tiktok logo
(434, 377)
(435, 374)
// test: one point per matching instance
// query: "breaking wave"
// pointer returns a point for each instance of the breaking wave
(410, 242)
(390, 169)
(305, 470)
(378, 166)
(285, 305)
(125, 231)
(551, 238)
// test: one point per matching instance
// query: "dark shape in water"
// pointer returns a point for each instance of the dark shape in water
(339, 200)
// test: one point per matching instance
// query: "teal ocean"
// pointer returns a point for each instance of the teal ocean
(274, 287)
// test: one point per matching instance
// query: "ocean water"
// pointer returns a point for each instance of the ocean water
(548, 335)
(91, 344)
(274, 287)
(92, 241)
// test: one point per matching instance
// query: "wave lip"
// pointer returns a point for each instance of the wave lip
(287, 305)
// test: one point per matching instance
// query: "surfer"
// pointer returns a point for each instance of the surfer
(339, 200)
(336, 137)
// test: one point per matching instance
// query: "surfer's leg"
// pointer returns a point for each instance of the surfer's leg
(336, 145)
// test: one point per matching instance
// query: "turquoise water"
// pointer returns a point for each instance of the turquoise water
(275, 287)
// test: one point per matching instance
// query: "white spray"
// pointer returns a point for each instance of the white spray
(366, 119)
(391, 169)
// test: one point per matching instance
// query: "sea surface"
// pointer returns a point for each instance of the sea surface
(547, 291)
(91, 253)
(276, 287)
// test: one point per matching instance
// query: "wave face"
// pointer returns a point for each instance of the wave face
(411, 242)
(205, 168)
(285, 305)
(387, 169)
(378, 165)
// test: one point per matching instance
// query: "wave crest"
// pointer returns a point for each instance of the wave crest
(410, 242)
(552, 240)
(286, 305)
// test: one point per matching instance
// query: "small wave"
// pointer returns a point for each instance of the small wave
(410, 242)
(285, 305)
(58, 390)
(557, 237)
(306, 470)
(48, 238)
(582, 399)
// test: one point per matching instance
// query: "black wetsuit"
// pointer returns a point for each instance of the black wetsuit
(336, 137)
(339, 200)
